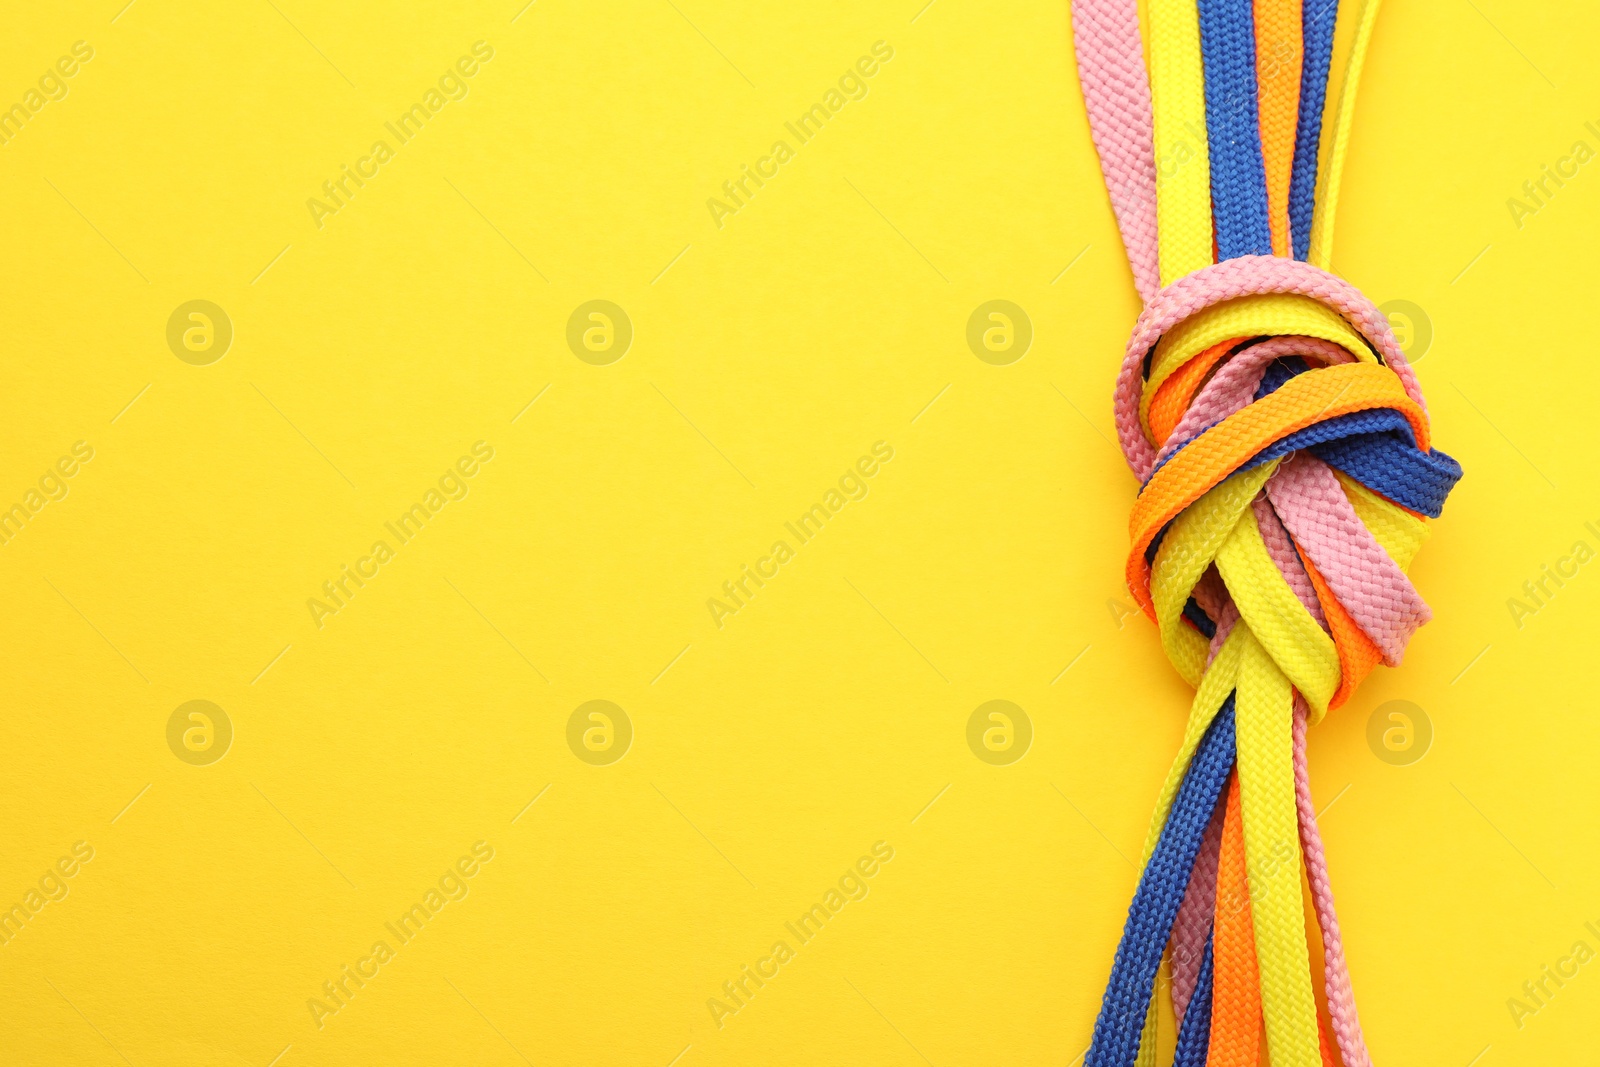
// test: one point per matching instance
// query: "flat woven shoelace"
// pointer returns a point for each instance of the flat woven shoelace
(1286, 473)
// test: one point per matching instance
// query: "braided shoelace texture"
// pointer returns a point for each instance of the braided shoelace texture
(1286, 471)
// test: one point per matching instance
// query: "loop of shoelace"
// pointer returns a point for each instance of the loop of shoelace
(1283, 450)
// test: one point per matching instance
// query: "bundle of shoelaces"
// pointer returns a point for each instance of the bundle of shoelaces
(1281, 444)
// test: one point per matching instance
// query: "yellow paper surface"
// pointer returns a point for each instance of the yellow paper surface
(444, 703)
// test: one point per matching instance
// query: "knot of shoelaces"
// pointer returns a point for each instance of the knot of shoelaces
(1282, 445)
(1286, 475)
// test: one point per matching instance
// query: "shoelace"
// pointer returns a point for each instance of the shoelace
(1282, 446)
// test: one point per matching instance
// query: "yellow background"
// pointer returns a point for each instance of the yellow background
(768, 354)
